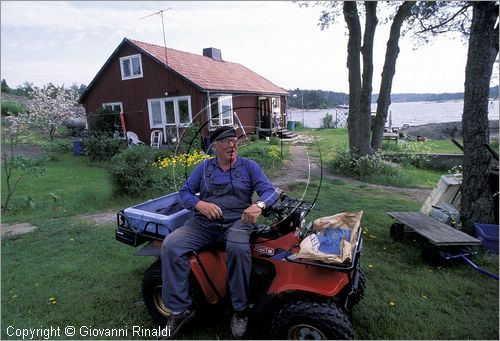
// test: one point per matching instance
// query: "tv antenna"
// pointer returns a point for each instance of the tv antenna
(160, 12)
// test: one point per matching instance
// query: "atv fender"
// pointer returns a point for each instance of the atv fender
(209, 268)
(321, 281)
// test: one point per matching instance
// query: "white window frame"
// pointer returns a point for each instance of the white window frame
(113, 104)
(220, 98)
(129, 59)
(177, 124)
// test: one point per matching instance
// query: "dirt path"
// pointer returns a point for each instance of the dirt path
(300, 164)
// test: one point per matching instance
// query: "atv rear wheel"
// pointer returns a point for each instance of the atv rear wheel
(152, 285)
(311, 319)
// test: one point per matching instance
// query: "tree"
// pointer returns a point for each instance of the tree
(360, 86)
(16, 168)
(388, 71)
(49, 107)
(477, 202)
(424, 18)
(5, 88)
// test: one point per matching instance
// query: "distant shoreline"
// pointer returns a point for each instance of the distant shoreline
(445, 130)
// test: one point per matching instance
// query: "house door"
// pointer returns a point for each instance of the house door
(265, 113)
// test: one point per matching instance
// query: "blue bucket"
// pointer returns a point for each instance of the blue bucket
(488, 234)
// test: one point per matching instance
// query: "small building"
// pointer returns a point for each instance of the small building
(159, 88)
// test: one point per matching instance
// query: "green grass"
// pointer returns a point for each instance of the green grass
(95, 280)
(69, 186)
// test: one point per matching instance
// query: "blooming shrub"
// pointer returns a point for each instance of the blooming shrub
(182, 160)
(175, 169)
(360, 166)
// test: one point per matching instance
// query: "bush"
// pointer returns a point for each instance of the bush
(274, 141)
(12, 108)
(298, 125)
(266, 156)
(407, 153)
(360, 166)
(192, 138)
(53, 149)
(494, 144)
(132, 172)
(104, 122)
(327, 122)
(103, 147)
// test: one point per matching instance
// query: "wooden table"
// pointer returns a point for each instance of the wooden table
(436, 232)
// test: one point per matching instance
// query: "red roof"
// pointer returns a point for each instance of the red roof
(210, 74)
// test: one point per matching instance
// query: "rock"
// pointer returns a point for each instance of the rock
(444, 131)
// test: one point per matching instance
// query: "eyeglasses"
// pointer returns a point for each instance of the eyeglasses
(228, 140)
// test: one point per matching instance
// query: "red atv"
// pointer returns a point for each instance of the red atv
(291, 298)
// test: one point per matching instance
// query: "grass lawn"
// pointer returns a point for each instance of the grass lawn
(330, 141)
(70, 272)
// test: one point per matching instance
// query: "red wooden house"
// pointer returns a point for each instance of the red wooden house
(159, 88)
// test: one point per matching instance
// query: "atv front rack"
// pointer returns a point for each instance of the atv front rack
(290, 256)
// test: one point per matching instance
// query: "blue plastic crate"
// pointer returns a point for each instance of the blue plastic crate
(160, 215)
(488, 234)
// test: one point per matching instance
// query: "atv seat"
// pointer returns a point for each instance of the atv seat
(218, 246)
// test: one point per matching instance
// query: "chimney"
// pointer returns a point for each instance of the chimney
(213, 53)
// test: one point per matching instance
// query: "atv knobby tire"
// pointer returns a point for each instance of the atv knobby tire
(311, 319)
(151, 292)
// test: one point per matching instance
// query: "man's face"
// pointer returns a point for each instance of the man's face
(227, 149)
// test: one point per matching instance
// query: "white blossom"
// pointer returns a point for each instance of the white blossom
(49, 107)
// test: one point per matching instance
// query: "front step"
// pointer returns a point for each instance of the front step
(286, 134)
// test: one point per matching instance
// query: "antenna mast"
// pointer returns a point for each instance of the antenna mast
(160, 12)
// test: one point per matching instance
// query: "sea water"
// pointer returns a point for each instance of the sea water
(411, 113)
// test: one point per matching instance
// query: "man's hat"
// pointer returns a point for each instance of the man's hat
(222, 133)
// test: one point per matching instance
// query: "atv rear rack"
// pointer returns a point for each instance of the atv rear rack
(290, 256)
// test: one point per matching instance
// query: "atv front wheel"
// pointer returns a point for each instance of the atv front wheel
(151, 293)
(152, 285)
(311, 319)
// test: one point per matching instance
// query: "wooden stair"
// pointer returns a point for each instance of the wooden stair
(286, 134)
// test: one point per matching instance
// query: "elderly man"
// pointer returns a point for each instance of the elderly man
(223, 211)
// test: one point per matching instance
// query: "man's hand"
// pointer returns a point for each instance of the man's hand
(251, 214)
(209, 210)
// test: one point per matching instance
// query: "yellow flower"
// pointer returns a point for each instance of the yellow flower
(392, 303)
(370, 266)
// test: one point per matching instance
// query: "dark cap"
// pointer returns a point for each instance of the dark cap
(222, 133)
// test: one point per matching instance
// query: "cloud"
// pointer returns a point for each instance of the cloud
(62, 40)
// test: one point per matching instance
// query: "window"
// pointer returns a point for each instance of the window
(174, 111)
(221, 111)
(155, 112)
(115, 106)
(131, 67)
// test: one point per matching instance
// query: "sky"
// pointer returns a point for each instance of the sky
(67, 42)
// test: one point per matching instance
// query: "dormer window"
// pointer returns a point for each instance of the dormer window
(131, 67)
